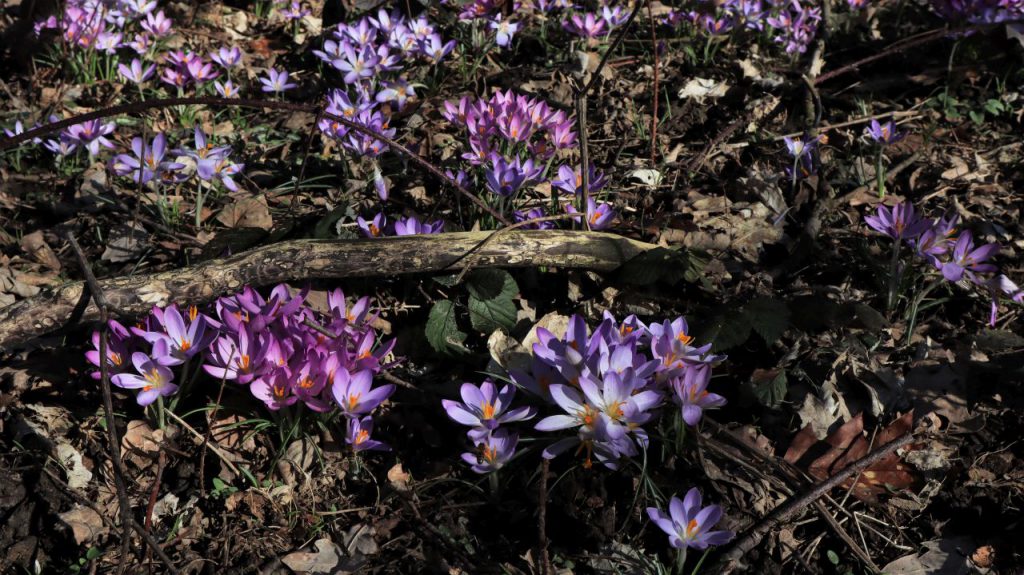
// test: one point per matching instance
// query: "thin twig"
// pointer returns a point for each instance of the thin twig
(899, 46)
(730, 558)
(542, 508)
(212, 444)
(114, 442)
(154, 493)
(468, 266)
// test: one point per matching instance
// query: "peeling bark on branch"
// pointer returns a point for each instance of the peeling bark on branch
(297, 260)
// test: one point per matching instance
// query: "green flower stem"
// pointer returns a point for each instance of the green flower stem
(880, 172)
(912, 321)
(894, 275)
(680, 561)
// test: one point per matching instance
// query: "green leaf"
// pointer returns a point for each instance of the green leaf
(488, 315)
(769, 317)
(772, 392)
(727, 330)
(832, 557)
(490, 284)
(994, 107)
(92, 553)
(492, 300)
(662, 264)
(443, 333)
(977, 117)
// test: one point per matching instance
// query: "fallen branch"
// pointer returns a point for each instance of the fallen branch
(296, 260)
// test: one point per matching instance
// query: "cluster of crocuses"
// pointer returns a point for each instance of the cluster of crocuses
(948, 250)
(378, 226)
(577, 22)
(513, 139)
(791, 23)
(374, 54)
(607, 385)
(980, 11)
(90, 135)
(105, 26)
(153, 162)
(282, 351)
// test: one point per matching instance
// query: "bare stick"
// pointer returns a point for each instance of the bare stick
(211, 444)
(730, 558)
(542, 508)
(113, 441)
(63, 306)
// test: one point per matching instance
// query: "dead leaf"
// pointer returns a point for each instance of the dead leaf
(399, 478)
(85, 524)
(78, 474)
(701, 89)
(943, 557)
(247, 213)
(847, 445)
(35, 246)
(126, 243)
(326, 557)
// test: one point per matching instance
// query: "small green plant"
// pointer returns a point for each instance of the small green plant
(90, 555)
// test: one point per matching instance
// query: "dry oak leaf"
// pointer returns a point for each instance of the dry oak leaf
(848, 444)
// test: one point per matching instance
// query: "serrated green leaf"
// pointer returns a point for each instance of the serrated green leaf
(771, 393)
(727, 330)
(442, 332)
(490, 284)
(662, 264)
(492, 300)
(769, 317)
(487, 315)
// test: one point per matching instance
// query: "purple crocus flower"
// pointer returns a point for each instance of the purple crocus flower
(373, 228)
(410, 226)
(968, 260)
(120, 345)
(357, 64)
(533, 214)
(237, 357)
(148, 161)
(505, 178)
(504, 31)
(884, 134)
(484, 408)
(570, 180)
(153, 379)
(435, 48)
(91, 135)
(688, 524)
(157, 24)
(599, 216)
(354, 394)
(274, 389)
(493, 451)
(586, 25)
(227, 57)
(902, 223)
(692, 395)
(358, 435)
(226, 90)
(183, 340)
(135, 72)
(276, 81)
